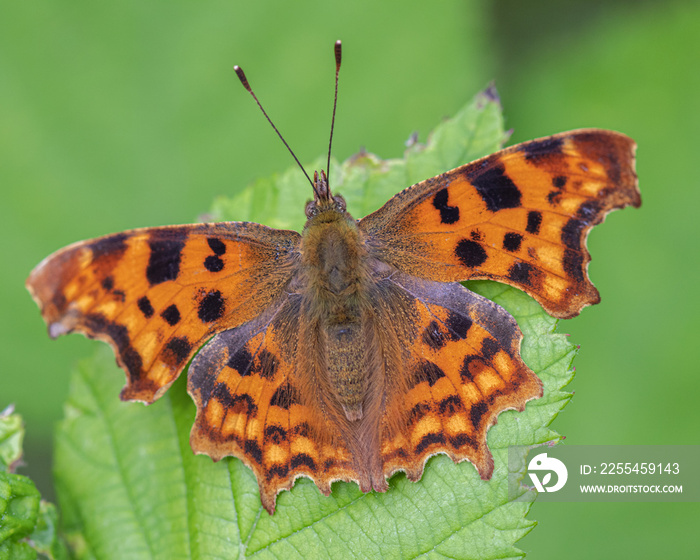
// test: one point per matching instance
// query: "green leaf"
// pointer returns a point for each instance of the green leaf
(19, 498)
(130, 486)
(27, 524)
(16, 551)
(45, 537)
(19, 506)
(11, 438)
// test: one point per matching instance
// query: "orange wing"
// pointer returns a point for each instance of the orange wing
(157, 294)
(461, 368)
(520, 216)
(253, 403)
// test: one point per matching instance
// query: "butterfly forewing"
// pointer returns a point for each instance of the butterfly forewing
(157, 294)
(520, 216)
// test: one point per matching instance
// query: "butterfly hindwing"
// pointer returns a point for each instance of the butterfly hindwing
(461, 369)
(156, 294)
(252, 403)
(520, 216)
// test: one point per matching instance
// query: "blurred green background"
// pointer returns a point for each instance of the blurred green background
(127, 114)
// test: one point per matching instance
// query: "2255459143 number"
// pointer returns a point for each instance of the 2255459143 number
(639, 468)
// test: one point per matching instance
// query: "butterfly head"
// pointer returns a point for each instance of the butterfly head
(324, 202)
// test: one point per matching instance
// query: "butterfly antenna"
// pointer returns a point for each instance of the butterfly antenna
(246, 85)
(338, 55)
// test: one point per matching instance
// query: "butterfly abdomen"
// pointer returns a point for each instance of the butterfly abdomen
(346, 353)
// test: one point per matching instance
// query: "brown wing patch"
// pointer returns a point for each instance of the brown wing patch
(460, 373)
(251, 404)
(157, 294)
(520, 216)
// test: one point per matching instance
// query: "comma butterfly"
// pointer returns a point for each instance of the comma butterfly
(350, 351)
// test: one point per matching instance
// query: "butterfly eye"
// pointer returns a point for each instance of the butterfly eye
(310, 209)
(340, 203)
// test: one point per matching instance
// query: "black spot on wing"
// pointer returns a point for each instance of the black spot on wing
(235, 403)
(534, 220)
(520, 272)
(477, 412)
(463, 439)
(450, 405)
(573, 264)
(204, 380)
(476, 235)
(133, 362)
(241, 361)
(112, 245)
(427, 371)
(418, 411)
(559, 181)
(302, 459)
(99, 324)
(118, 333)
(458, 325)
(571, 234)
(171, 315)
(216, 245)
(539, 152)
(213, 263)
(302, 430)
(252, 449)
(211, 307)
(277, 471)
(489, 348)
(145, 307)
(495, 188)
(285, 396)
(275, 434)
(166, 253)
(108, 283)
(512, 241)
(428, 440)
(177, 350)
(448, 214)
(470, 253)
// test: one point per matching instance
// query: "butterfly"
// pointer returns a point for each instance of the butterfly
(350, 351)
